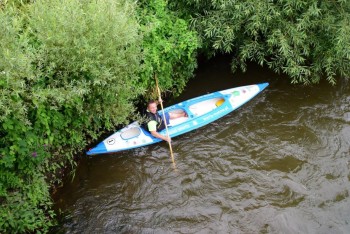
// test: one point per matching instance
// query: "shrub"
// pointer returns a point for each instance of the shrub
(169, 47)
(306, 40)
(67, 70)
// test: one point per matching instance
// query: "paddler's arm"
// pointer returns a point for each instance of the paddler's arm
(152, 128)
(160, 136)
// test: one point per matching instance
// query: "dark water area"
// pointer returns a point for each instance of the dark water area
(278, 164)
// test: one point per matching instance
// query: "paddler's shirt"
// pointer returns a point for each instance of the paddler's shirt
(155, 122)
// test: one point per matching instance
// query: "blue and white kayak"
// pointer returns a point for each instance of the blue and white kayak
(200, 111)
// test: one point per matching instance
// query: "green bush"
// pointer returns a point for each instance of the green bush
(24, 195)
(67, 70)
(169, 47)
(88, 61)
(307, 40)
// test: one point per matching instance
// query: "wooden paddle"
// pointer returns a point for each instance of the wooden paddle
(164, 119)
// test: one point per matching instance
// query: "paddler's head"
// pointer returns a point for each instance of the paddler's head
(152, 106)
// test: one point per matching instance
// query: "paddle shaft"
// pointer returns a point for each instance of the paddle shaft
(164, 119)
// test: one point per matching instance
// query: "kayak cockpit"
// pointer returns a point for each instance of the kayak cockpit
(197, 109)
(179, 120)
(206, 106)
(130, 133)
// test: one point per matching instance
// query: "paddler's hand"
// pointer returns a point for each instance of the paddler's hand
(168, 139)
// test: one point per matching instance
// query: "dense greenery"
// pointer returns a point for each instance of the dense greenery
(307, 40)
(168, 47)
(23, 191)
(69, 70)
(58, 61)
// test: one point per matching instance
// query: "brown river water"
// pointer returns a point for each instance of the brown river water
(278, 164)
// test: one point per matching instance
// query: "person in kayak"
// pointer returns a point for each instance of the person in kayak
(155, 122)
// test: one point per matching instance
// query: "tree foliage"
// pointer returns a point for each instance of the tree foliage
(67, 70)
(307, 40)
(169, 47)
(24, 196)
(88, 59)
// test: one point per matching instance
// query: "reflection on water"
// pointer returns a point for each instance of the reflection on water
(279, 164)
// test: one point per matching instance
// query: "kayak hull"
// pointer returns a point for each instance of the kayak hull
(200, 112)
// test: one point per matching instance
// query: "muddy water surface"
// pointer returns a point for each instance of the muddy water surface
(279, 164)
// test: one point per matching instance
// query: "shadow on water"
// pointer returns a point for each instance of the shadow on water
(279, 164)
